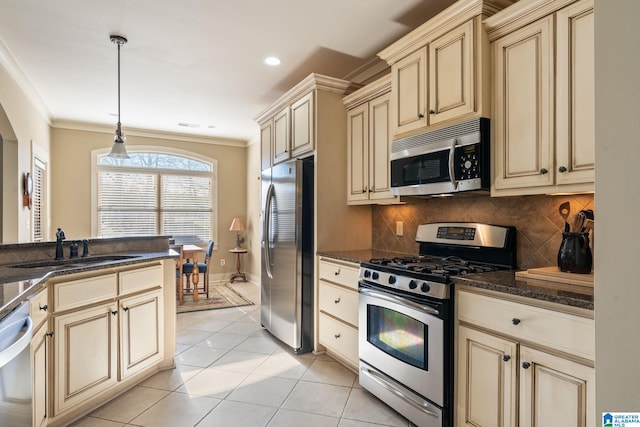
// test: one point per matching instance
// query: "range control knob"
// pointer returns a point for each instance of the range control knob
(413, 284)
(425, 287)
(392, 280)
(375, 275)
(367, 274)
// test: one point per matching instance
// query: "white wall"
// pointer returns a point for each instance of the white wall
(617, 200)
(253, 219)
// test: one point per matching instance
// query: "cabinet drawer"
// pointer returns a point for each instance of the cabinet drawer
(76, 293)
(339, 302)
(39, 308)
(345, 274)
(140, 279)
(339, 337)
(565, 332)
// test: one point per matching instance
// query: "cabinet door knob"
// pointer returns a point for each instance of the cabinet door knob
(50, 334)
(515, 321)
(337, 300)
(526, 365)
(336, 336)
(562, 169)
(125, 308)
(44, 307)
(543, 171)
(506, 357)
(337, 273)
(432, 111)
(114, 312)
(421, 116)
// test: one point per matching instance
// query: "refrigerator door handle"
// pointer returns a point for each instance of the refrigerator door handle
(267, 231)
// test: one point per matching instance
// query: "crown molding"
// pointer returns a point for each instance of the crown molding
(15, 71)
(146, 133)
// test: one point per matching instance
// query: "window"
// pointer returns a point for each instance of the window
(156, 193)
(38, 198)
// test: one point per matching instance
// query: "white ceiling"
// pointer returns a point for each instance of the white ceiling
(196, 61)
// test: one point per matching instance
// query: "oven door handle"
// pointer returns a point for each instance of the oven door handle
(399, 300)
(375, 376)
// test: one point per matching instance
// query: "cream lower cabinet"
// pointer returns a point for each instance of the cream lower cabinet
(519, 365)
(85, 354)
(338, 310)
(40, 372)
(543, 135)
(107, 328)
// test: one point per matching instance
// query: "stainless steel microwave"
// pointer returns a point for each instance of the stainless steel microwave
(444, 161)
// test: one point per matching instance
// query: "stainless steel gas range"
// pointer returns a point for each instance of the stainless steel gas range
(406, 316)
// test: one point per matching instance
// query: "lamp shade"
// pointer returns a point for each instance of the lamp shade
(237, 225)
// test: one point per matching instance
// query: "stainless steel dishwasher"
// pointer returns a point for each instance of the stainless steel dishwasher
(15, 368)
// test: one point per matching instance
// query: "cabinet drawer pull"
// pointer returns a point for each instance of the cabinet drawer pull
(506, 357)
(44, 307)
(526, 365)
(337, 301)
(337, 273)
(515, 321)
(336, 336)
(50, 334)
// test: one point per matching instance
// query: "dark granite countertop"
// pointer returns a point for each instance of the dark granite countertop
(498, 281)
(18, 284)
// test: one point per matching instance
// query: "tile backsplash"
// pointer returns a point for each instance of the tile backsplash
(539, 225)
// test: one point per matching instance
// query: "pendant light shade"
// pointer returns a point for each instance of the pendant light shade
(118, 150)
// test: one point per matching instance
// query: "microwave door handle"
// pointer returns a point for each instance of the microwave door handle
(452, 157)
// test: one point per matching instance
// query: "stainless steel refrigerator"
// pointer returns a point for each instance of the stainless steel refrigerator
(287, 253)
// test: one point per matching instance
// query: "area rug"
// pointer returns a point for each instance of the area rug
(220, 296)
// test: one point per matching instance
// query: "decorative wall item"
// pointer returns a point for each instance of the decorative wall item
(27, 190)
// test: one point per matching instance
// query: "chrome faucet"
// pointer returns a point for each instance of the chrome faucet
(59, 249)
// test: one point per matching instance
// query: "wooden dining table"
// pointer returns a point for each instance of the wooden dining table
(190, 252)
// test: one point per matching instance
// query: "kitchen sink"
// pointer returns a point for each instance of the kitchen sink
(73, 262)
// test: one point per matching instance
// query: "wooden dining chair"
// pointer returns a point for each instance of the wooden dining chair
(203, 268)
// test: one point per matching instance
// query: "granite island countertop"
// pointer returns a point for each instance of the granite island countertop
(499, 281)
(18, 284)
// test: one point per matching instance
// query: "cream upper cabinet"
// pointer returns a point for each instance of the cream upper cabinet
(266, 136)
(409, 88)
(543, 129)
(523, 365)
(451, 74)
(280, 149)
(440, 70)
(368, 144)
(302, 125)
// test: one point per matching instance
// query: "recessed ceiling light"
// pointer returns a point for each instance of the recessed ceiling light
(272, 60)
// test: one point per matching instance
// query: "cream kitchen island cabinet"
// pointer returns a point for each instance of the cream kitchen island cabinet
(368, 144)
(108, 333)
(39, 353)
(440, 71)
(523, 365)
(543, 129)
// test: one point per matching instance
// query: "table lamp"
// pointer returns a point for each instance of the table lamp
(237, 225)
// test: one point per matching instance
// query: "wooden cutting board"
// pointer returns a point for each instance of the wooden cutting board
(553, 274)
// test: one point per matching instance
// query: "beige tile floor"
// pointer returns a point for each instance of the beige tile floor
(231, 372)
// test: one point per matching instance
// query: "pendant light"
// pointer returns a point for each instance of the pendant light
(118, 150)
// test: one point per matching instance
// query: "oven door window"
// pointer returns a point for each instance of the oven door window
(398, 335)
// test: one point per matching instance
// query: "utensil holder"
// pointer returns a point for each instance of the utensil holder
(575, 254)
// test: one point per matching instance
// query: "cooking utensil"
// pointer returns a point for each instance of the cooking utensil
(564, 210)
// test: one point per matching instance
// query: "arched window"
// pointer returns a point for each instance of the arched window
(156, 193)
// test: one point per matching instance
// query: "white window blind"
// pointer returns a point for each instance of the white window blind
(38, 200)
(156, 193)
